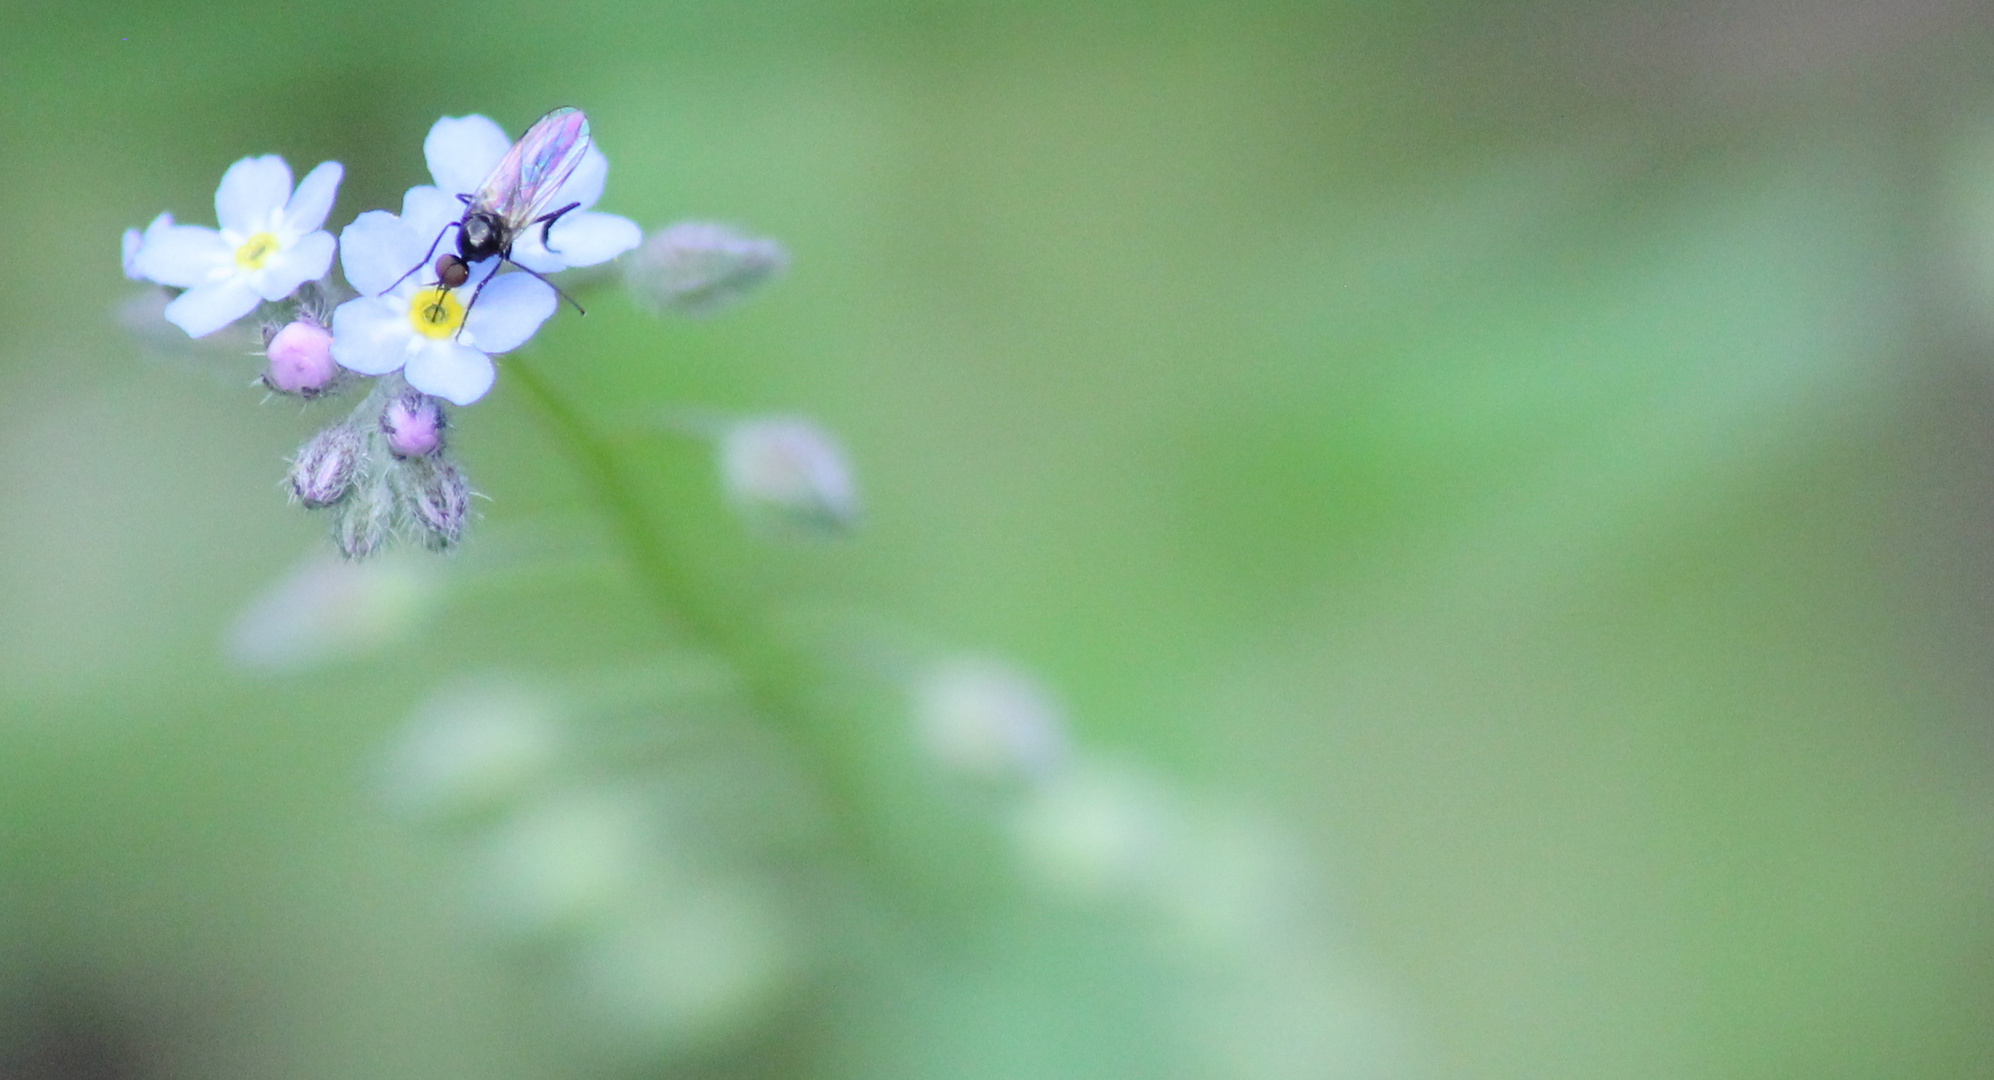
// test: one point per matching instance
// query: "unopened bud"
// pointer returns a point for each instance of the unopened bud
(365, 523)
(435, 496)
(474, 747)
(788, 468)
(325, 609)
(988, 722)
(301, 360)
(566, 859)
(413, 423)
(1096, 832)
(325, 467)
(704, 966)
(698, 267)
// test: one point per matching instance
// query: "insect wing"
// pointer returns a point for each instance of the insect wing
(526, 179)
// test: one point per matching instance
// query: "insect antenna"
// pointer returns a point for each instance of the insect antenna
(551, 285)
(487, 280)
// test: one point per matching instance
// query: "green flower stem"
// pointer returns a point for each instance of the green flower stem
(767, 669)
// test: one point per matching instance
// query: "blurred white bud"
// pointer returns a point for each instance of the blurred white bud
(301, 360)
(324, 610)
(143, 313)
(785, 470)
(471, 749)
(1233, 884)
(435, 496)
(989, 722)
(699, 267)
(1296, 1016)
(413, 422)
(143, 316)
(567, 860)
(699, 966)
(1094, 832)
(324, 470)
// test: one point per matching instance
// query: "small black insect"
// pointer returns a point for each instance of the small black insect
(512, 199)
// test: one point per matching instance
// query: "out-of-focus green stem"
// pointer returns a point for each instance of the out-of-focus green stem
(767, 669)
(670, 591)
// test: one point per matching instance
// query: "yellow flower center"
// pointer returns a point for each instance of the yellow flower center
(436, 313)
(256, 251)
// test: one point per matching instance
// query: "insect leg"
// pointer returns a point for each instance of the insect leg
(425, 259)
(546, 223)
(475, 293)
(551, 285)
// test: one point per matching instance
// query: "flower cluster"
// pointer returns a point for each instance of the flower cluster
(423, 334)
(655, 858)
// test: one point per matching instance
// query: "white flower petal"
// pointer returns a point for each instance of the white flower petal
(587, 239)
(428, 211)
(135, 241)
(528, 251)
(182, 255)
(377, 249)
(372, 335)
(461, 151)
(313, 200)
(306, 260)
(508, 312)
(585, 183)
(204, 309)
(450, 370)
(251, 192)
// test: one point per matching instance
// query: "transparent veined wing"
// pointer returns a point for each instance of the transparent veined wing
(524, 182)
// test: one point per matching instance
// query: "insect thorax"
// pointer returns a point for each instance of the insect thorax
(481, 236)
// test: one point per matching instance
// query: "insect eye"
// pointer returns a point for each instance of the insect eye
(451, 271)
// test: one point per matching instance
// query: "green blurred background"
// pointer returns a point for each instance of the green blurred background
(1536, 458)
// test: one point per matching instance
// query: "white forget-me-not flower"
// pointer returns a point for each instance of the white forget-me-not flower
(462, 150)
(269, 243)
(413, 324)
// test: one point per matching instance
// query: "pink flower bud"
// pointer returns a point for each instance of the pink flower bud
(325, 467)
(301, 360)
(413, 423)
